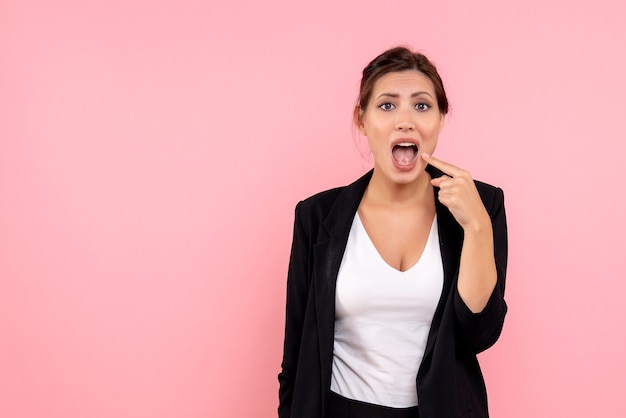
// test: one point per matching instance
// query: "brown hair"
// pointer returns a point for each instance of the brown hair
(398, 59)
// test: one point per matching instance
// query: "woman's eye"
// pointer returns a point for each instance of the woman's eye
(386, 106)
(422, 106)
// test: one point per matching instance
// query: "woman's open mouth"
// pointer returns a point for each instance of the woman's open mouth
(404, 153)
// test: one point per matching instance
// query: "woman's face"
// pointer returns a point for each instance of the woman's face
(401, 121)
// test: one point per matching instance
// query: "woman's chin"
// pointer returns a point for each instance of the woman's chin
(402, 174)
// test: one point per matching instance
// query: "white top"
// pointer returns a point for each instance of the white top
(382, 321)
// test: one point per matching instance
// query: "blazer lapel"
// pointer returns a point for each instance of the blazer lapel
(328, 253)
(450, 243)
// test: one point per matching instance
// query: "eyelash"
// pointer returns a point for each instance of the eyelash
(383, 106)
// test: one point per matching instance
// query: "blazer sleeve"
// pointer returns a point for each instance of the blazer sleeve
(297, 296)
(477, 332)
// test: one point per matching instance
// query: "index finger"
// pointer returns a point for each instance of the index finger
(447, 168)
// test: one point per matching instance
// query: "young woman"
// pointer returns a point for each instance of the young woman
(396, 281)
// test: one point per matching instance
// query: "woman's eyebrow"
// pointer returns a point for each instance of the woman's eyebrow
(396, 95)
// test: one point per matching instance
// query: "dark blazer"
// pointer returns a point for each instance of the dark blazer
(449, 380)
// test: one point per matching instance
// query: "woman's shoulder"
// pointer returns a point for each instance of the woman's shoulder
(492, 196)
(324, 201)
(486, 188)
(323, 198)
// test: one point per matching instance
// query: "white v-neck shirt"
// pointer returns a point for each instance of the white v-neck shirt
(382, 320)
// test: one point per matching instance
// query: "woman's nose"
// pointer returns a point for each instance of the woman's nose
(404, 121)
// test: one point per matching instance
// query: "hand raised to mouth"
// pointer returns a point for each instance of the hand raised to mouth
(458, 193)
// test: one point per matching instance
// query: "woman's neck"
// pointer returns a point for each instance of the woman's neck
(384, 192)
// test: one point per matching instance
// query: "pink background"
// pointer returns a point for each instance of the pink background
(151, 154)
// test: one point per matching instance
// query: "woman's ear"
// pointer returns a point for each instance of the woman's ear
(442, 122)
(357, 118)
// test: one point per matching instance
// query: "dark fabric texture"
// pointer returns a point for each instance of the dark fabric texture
(341, 407)
(449, 381)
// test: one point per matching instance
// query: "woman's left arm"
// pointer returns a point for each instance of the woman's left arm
(479, 300)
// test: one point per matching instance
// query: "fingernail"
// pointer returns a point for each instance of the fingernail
(425, 156)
